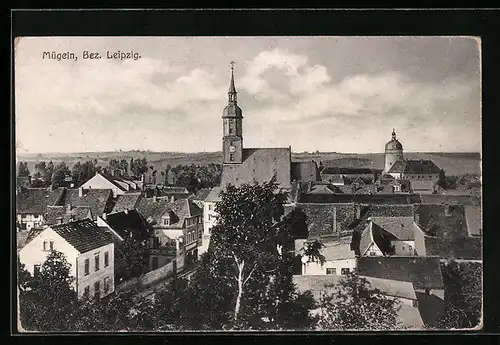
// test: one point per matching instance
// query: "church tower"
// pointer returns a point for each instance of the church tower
(393, 152)
(232, 123)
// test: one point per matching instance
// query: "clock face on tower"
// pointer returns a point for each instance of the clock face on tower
(232, 148)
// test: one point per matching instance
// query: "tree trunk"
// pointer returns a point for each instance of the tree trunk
(240, 292)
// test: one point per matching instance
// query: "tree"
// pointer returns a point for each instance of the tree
(22, 169)
(130, 258)
(59, 175)
(48, 300)
(355, 305)
(463, 295)
(244, 234)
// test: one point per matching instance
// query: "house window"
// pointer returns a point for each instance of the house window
(372, 253)
(87, 266)
(96, 261)
(97, 290)
(106, 259)
(331, 271)
(86, 292)
(344, 271)
(155, 262)
(51, 245)
(36, 270)
(231, 157)
(402, 247)
(106, 284)
(410, 248)
(210, 207)
(45, 245)
(415, 303)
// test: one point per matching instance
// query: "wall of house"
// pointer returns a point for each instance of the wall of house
(29, 221)
(33, 254)
(94, 276)
(315, 268)
(373, 250)
(404, 248)
(99, 182)
(209, 216)
(148, 279)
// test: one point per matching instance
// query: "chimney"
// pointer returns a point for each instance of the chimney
(104, 216)
(172, 198)
(154, 198)
(68, 208)
(80, 192)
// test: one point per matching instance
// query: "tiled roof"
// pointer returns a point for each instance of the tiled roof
(304, 171)
(213, 196)
(126, 222)
(473, 217)
(113, 180)
(365, 238)
(422, 185)
(36, 200)
(260, 164)
(337, 249)
(97, 199)
(327, 284)
(320, 217)
(349, 171)
(83, 235)
(21, 237)
(202, 194)
(468, 200)
(434, 220)
(423, 272)
(174, 190)
(468, 248)
(388, 210)
(60, 214)
(401, 227)
(126, 201)
(360, 198)
(336, 178)
(155, 209)
(414, 167)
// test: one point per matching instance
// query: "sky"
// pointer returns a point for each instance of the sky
(331, 94)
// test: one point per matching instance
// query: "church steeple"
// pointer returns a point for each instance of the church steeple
(393, 134)
(232, 127)
(232, 90)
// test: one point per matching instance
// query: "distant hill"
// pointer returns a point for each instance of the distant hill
(454, 163)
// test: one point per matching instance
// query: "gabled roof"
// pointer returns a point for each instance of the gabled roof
(336, 178)
(444, 221)
(174, 190)
(60, 214)
(415, 167)
(126, 201)
(83, 235)
(214, 195)
(32, 234)
(337, 249)
(360, 198)
(260, 164)
(388, 210)
(36, 200)
(155, 209)
(112, 180)
(327, 284)
(423, 272)
(202, 194)
(469, 200)
(97, 199)
(468, 248)
(126, 222)
(402, 228)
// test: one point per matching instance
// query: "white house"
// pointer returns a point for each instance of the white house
(88, 249)
(339, 259)
(118, 185)
(209, 217)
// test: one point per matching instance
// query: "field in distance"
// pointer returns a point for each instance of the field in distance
(454, 163)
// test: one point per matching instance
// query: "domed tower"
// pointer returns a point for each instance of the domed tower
(393, 152)
(232, 120)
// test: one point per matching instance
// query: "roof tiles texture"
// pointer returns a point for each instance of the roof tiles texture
(36, 200)
(423, 272)
(125, 223)
(60, 214)
(320, 217)
(415, 167)
(126, 201)
(98, 200)
(83, 235)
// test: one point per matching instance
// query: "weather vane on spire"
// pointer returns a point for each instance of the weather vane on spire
(232, 65)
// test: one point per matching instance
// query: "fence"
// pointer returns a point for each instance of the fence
(147, 279)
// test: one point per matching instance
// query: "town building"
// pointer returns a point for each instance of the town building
(118, 184)
(88, 250)
(178, 230)
(127, 201)
(31, 206)
(423, 174)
